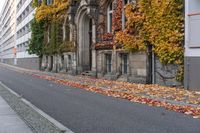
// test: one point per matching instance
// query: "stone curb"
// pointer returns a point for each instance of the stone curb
(57, 124)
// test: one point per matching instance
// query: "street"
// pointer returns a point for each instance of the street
(86, 112)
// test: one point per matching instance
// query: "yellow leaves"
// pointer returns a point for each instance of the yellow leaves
(42, 12)
(131, 37)
(159, 22)
(54, 12)
(130, 42)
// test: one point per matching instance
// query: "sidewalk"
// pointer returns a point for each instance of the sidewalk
(10, 122)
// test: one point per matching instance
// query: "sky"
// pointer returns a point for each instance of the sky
(1, 4)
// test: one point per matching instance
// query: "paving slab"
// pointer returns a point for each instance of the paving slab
(10, 122)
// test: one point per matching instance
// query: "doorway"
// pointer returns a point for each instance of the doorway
(85, 43)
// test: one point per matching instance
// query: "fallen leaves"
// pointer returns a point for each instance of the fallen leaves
(183, 101)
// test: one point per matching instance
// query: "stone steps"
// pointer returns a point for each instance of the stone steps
(89, 73)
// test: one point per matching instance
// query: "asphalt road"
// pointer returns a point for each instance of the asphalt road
(86, 112)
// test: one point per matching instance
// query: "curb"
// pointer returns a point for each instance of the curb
(57, 124)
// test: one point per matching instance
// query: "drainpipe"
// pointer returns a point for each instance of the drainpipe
(153, 68)
(149, 62)
(96, 73)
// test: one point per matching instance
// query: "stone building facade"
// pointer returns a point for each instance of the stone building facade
(91, 31)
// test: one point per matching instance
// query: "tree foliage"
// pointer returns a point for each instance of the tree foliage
(37, 38)
(54, 19)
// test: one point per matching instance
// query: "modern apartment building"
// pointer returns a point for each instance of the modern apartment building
(7, 32)
(24, 16)
(15, 34)
(192, 44)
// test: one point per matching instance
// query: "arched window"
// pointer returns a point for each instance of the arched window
(110, 16)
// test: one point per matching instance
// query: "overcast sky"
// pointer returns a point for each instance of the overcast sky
(1, 5)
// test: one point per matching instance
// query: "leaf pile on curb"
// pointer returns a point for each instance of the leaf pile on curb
(131, 92)
(152, 95)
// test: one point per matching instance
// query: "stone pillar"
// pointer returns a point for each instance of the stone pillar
(114, 61)
(74, 63)
(49, 63)
(55, 63)
(94, 56)
(94, 60)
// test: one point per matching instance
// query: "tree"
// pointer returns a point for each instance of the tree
(37, 39)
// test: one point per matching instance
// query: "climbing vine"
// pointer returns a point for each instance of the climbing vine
(53, 12)
(160, 23)
(54, 17)
(117, 15)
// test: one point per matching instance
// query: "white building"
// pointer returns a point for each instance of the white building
(15, 33)
(192, 44)
(7, 32)
(24, 16)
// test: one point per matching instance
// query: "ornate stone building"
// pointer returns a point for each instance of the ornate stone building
(92, 30)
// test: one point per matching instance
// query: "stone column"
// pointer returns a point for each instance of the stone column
(55, 63)
(114, 61)
(49, 63)
(94, 55)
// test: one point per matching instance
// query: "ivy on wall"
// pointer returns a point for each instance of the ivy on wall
(53, 12)
(55, 37)
(160, 23)
(54, 17)
(156, 22)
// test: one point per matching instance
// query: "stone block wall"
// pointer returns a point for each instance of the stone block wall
(136, 66)
(165, 74)
(9, 61)
(29, 63)
(60, 63)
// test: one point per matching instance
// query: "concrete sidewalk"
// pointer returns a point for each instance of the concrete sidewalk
(10, 122)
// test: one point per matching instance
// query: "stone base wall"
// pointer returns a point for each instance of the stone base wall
(29, 63)
(60, 63)
(9, 61)
(137, 67)
(165, 74)
(137, 70)
(192, 73)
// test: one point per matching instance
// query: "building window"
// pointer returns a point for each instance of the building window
(49, 2)
(125, 2)
(108, 63)
(124, 64)
(110, 16)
